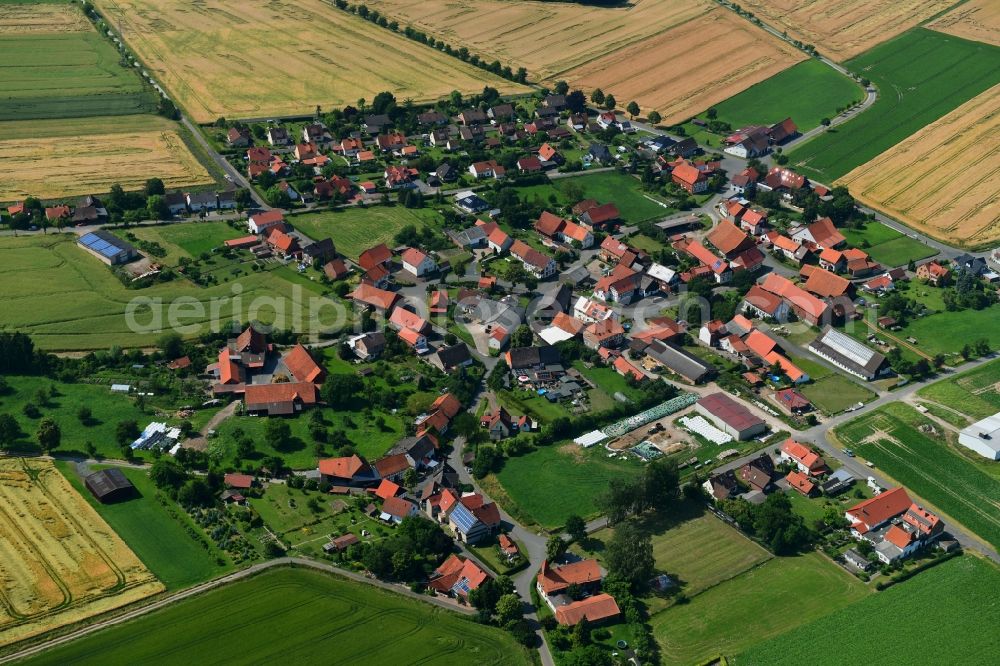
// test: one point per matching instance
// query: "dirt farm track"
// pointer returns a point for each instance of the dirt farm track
(913, 182)
(59, 561)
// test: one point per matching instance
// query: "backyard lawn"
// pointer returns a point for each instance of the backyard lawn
(834, 393)
(887, 246)
(957, 599)
(609, 187)
(107, 410)
(697, 549)
(158, 534)
(552, 482)
(731, 616)
(186, 240)
(354, 229)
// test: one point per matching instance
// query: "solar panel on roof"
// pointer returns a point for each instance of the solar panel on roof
(110, 251)
(89, 239)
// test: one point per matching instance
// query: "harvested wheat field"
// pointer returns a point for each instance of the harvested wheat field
(56, 158)
(546, 38)
(978, 20)
(841, 29)
(916, 180)
(248, 60)
(37, 19)
(59, 561)
(690, 67)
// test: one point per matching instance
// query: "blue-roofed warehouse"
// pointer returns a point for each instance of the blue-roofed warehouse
(107, 247)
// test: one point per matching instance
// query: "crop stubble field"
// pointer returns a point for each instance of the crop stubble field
(56, 158)
(53, 64)
(841, 29)
(309, 617)
(238, 59)
(652, 52)
(978, 20)
(59, 561)
(913, 180)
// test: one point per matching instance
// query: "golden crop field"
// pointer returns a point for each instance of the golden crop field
(978, 20)
(841, 29)
(246, 60)
(21, 19)
(546, 38)
(60, 158)
(690, 67)
(59, 561)
(945, 179)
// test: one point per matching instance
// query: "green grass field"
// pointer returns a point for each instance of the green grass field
(888, 246)
(962, 327)
(68, 300)
(696, 549)
(552, 482)
(955, 602)
(368, 438)
(975, 393)
(609, 187)
(188, 239)
(816, 93)
(929, 466)
(159, 539)
(921, 75)
(774, 598)
(835, 393)
(354, 230)
(107, 410)
(67, 75)
(299, 615)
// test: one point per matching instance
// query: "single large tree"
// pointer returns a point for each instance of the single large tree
(630, 555)
(49, 434)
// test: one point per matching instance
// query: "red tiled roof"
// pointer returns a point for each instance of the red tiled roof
(302, 366)
(920, 518)
(342, 468)
(688, 173)
(448, 404)
(379, 298)
(826, 284)
(390, 465)
(555, 579)
(878, 509)
(624, 368)
(387, 489)
(825, 233)
(899, 537)
(398, 507)
(238, 480)
(801, 453)
(373, 256)
(549, 224)
(259, 395)
(800, 482)
(595, 609)
(410, 336)
(796, 296)
(728, 238)
(408, 320)
(603, 213)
